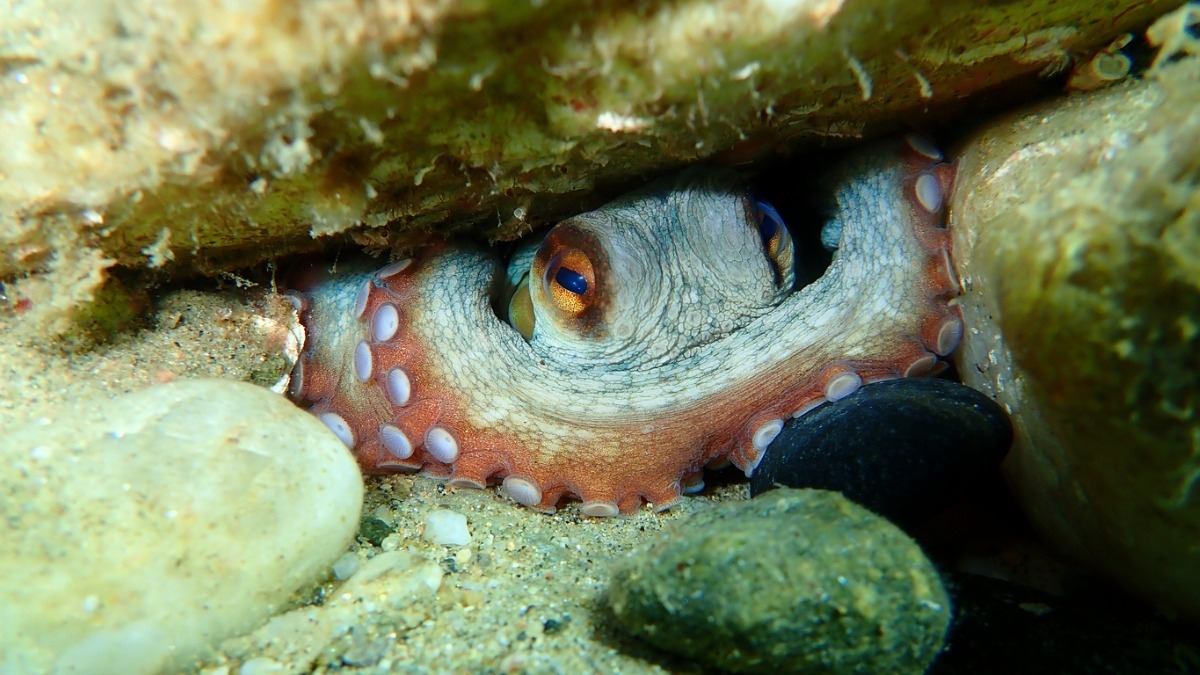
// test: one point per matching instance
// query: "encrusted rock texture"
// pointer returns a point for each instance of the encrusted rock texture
(192, 137)
(1077, 236)
(794, 581)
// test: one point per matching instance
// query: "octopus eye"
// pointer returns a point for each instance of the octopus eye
(777, 241)
(770, 227)
(569, 280)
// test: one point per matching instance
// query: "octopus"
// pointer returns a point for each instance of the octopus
(658, 335)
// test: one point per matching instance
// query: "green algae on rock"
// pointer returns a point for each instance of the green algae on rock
(1077, 239)
(191, 137)
(800, 581)
(142, 530)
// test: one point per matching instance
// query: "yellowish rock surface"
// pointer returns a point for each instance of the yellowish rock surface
(1077, 238)
(197, 136)
(141, 531)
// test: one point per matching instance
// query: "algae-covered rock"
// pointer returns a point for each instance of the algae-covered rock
(198, 136)
(798, 581)
(1077, 238)
(142, 530)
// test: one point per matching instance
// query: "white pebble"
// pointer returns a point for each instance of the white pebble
(446, 528)
(391, 542)
(345, 566)
(384, 513)
(260, 666)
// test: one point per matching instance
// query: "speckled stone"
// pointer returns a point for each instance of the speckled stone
(797, 581)
(903, 448)
(141, 530)
(1077, 237)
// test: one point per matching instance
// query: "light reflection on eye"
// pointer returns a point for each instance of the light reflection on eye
(571, 281)
(770, 225)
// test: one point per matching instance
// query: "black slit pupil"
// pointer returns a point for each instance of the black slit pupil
(571, 280)
(767, 228)
(768, 222)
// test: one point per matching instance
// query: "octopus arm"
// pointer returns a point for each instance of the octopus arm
(413, 370)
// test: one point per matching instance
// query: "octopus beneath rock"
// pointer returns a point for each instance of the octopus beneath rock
(663, 335)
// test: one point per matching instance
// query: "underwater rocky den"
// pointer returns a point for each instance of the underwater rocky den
(1005, 195)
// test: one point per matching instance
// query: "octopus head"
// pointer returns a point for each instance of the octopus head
(681, 263)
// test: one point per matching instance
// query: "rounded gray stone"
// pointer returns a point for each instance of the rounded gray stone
(798, 581)
(141, 530)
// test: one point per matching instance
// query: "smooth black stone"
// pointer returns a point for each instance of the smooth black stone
(903, 448)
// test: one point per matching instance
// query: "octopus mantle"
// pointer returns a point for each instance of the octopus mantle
(667, 337)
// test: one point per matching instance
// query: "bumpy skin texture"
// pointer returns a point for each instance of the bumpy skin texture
(688, 347)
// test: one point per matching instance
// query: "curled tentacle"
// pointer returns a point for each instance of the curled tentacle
(663, 336)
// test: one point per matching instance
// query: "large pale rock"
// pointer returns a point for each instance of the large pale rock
(140, 531)
(1077, 237)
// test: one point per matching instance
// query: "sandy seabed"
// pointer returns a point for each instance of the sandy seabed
(523, 596)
